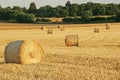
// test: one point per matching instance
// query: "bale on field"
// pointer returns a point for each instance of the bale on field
(58, 26)
(50, 31)
(71, 40)
(23, 52)
(96, 30)
(107, 26)
(62, 29)
(43, 28)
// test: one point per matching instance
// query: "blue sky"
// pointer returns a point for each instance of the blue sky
(53, 3)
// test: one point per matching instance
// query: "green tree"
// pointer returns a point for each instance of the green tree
(99, 9)
(73, 10)
(17, 8)
(56, 12)
(45, 11)
(60, 11)
(118, 7)
(25, 18)
(6, 14)
(24, 9)
(86, 15)
(117, 18)
(111, 9)
(81, 9)
(13, 14)
(8, 8)
(68, 5)
(89, 6)
(32, 8)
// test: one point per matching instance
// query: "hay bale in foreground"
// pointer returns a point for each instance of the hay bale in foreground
(96, 30)
(23, 52)
(43, 28)
(50, 31)
(107, 26)
(71, 40)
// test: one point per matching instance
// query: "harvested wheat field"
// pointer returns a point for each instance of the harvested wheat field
(97, 57)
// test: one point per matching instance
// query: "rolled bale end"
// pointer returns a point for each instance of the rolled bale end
(23, 52)
(107, 26)
(50, 31)
(43, 28)
(71, 40)
(96, 30)
(62, 29)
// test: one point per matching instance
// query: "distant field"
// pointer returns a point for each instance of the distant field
(96, 58)
(56, 19)
(17, 26)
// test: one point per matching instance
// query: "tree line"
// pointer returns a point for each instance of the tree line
(84, 11)
(73, 10)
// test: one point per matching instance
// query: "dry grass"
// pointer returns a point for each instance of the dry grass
(96, 58)
(107, 26)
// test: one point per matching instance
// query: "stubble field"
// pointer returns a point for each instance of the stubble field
(96, 58)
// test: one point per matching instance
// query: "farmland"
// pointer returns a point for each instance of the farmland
(97, 57)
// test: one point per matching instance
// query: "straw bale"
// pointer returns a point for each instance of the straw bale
(50, 31)
(23, 52)
(96, 30)
(71, 40)
(107, 26)
(43, 28)
(62, 29)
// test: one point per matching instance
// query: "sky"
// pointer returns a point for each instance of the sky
(53, 3)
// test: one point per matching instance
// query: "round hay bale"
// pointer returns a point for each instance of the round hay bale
(50, 31)
(58, 26)
(107, 26)
(43, 28)
(96, 30)
(62, 29)
(23, 52)
(71, 40)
